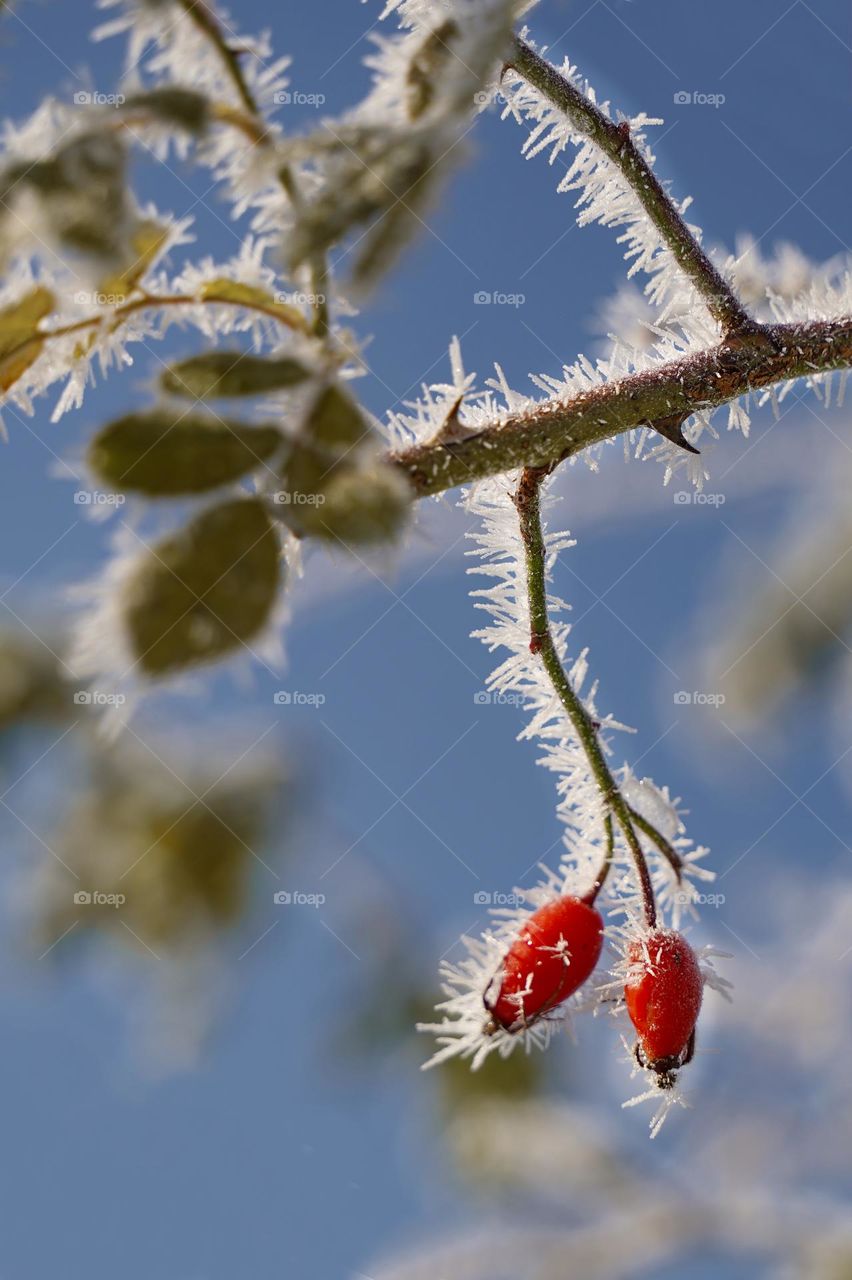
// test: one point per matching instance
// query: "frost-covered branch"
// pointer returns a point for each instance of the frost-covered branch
(528, 503)
(254, 126)
(615, 141)
(544, 433)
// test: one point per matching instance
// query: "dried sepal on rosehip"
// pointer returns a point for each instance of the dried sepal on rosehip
(663, 991)
(555, 952)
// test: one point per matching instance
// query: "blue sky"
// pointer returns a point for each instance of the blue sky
(279, 1156)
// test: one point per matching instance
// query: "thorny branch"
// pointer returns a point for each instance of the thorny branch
(616, 143)
(554, 430)
(750, 356)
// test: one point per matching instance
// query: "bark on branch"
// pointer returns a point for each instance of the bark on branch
(547, 433)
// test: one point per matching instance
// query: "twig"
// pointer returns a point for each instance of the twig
(616, 143)
(528, 503)
(553, 430)
(667, 849)
(208, 24)
(255, 129)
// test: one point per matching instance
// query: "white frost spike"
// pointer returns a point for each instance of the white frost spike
(666, 1100)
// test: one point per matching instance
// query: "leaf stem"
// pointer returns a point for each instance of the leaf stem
(208, 24)
(151, 302)
(255, 129)
(528, 504)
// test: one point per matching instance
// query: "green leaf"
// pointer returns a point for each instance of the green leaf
(361, 505)
(31, 682)
(420, 79)
(248, 295)
(376, 176)
(82, 188)
(205, 591)
(173, 105)
(19, 321)
(163, 454)
(335, 422)
(20, 345)
(145, 242)
(232, 373)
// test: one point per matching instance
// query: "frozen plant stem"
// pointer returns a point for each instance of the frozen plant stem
(254, 127)
(615, 142)
(609, 850)
(206, 21)
(665, 847)
(528, 504)
(553, 430)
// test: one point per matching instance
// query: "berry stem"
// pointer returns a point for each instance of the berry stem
(528, 504)
(668, 850)
(603, 871)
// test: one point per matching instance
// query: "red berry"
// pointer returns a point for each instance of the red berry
(663, 993)
(552, 957)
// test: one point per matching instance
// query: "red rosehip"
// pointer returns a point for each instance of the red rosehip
(552, 957)
(663, 992)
